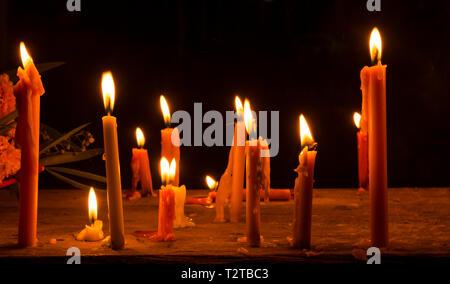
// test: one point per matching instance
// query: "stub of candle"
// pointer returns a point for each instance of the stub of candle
(92, 233)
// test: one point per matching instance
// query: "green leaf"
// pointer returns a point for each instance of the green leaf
(7, 128)
(5, 120)
(68, 180)
(78, 173)
(70, 157)
(62, 138)
(43, 67)
(54, 134)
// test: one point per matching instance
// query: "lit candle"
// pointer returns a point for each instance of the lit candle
(303, 190)
(92, 232)
(114, 187)
(373, 86)
(170, 141)
(254, 169)
(363, 163)
(181, 220)
(140, 167)
(166, 213)
(28, 91)
(238, 164)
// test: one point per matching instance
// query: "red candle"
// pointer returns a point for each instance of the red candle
(363, 163)
(141, 169)
(28, 91)
(170, 141)
(373, 86)
(303, 190)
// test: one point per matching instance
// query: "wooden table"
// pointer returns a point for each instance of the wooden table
(419, 230)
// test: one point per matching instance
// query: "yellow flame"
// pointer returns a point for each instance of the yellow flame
(212, 184)
(239, 107)
(357, 119)
(172, 170)
(165, 110)
(376, 45)
(109, 91)
(92, 205)
(140, 137)
(250, 123)
(26, 58)
(165, 168)
(305, 133)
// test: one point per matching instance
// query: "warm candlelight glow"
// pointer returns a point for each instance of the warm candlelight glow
(109, 91)
(165, 169)
(239, 107)
(357, 119)
(375, 45)
(92, 205)
(140, 137)
(172, 170)
(250, 123)
(165, 110)
(212, 184)
(26, 59)
(305, 133)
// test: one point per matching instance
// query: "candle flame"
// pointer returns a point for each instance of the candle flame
(305, 133)
(165, 110)
(357, 119)
(212, 184)
(172, 170)
(92, 205)
(108, 90)
(26, 58)
(165, 168)
(239, 107)
(376, 46)
(140, 137)
(250, 123)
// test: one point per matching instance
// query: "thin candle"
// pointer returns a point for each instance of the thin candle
(170, 140)
(363, 163)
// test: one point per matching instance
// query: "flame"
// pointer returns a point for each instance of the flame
(239, 107)
(165, 168)
(305, 133)
(165, 110)
(26, 58)
(376, 46)
(172, 170)
(250, 123)
(140, 137)
(92, 205)
(108, 90)
(357, 119)
(212, 184)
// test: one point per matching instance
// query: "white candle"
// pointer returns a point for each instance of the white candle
(114, 187)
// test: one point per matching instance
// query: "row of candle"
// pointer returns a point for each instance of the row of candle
(245, 156)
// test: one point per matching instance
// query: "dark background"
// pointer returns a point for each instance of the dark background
(291, 56)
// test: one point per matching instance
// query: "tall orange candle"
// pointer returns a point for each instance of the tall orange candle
(113, 181)
(170, 141)
(373, 86)
(363, 162)
(303, 190)
(140, 167)
(238, 150)
(254, 169)
(28, 92)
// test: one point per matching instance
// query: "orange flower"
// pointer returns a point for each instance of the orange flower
(7, 99)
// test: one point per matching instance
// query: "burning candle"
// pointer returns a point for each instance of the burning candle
(373, 86)
(211, 183)
(28, 91)
(181, 220)
(166, 213)
(303, 190)
(114, 186)
(238, 164)
(363, 163)
(140, 167)
(170, 141)
(254, 168)
(92, 232)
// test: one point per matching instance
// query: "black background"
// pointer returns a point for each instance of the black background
(290, 56)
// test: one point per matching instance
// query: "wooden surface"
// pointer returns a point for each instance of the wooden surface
(419, 230)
